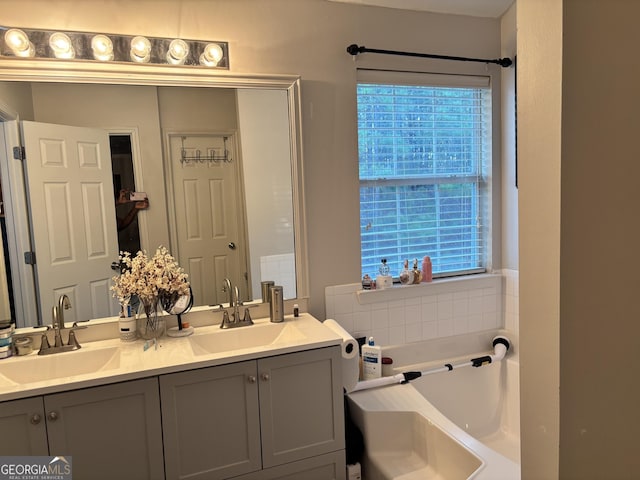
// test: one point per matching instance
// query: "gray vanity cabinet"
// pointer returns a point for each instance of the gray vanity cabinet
(276, 417)
(24, 418)
(110, 431)
(210, 421)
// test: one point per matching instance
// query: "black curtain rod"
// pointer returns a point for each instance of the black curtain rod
(355, 50)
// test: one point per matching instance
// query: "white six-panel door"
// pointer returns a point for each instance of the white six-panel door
(208, 218)
(73, 219)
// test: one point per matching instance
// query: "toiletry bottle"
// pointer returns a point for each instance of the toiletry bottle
(417, 274)
(406, 276)
(427, 269)
(371, 360)
(384, 279)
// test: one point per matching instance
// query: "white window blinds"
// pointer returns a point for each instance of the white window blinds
(424, 149)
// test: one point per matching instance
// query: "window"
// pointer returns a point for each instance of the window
(424, 156)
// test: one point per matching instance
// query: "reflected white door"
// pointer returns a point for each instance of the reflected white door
(208, 218)
(72, 209)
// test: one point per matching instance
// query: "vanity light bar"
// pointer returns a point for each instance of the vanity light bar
(99, 47)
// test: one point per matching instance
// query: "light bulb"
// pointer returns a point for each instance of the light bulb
(140, 49)
(60, 43)
(212, 55)
(19, 43)
(102, 48)
(178, 51)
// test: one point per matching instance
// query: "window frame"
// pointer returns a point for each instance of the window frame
(489, 195)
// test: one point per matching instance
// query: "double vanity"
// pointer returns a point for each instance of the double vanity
(258, 402)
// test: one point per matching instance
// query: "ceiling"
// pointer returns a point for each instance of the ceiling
(476, 8)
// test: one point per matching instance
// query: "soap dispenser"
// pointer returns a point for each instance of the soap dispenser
(371, 360)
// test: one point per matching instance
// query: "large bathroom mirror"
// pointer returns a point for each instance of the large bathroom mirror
(177, 128)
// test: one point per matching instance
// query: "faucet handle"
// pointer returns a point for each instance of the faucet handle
(247, 316)
(44, 343)
(225, 319)
(73, 341)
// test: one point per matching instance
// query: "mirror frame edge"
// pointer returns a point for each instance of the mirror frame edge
(52, 71)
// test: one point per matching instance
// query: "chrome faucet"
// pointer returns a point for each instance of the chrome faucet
(233, 295)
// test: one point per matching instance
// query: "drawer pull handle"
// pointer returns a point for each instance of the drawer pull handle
(53, 416)
(252, 379)
(265, 377)
(35, 419)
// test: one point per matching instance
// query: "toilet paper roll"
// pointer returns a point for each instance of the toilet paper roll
(350, 357)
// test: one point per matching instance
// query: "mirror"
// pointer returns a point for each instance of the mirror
(187, 118)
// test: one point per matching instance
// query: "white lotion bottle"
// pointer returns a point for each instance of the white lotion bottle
(371, 360)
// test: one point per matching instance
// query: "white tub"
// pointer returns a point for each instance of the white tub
(477, 408)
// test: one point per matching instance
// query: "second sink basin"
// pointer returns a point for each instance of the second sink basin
(259, 335)
(79, 362)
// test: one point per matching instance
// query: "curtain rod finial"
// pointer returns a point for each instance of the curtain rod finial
(354, 49)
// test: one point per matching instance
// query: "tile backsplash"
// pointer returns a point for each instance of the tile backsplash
(443, 308)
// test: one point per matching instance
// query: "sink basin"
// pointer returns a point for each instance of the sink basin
(407, 445)
(79, 362)
(259, 335)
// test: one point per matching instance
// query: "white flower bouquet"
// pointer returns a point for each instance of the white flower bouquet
(149, 279)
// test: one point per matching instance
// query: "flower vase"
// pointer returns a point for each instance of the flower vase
(150, 324)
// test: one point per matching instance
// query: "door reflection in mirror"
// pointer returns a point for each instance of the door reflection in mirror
(127, 210)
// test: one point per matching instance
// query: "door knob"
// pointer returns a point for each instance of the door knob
(251, 378)
(35, 419)
(115, 265)
(53, 416)
(232, 246)
(265, 377)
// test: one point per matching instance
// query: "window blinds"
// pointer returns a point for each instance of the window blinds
(424, 145)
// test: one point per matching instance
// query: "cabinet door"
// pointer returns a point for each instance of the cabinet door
(111, 431)
(331, 466)
(301, 405)
(24, 419)
(211, 422)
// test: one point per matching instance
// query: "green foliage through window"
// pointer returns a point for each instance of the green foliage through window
(422, 155)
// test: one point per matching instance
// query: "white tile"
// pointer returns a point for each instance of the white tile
(380, 336)
(362, 321)
(412, 301)
(429, 330)
(460, 325)
(380, 318)
(429, 312)
(413, 332)
(343, 303)
(489, 303)
(445, 328)
(412, 314)
(397, 335)
(346, 321)
(445, 307)
(474, 322)
(396, 316)
(460, 307)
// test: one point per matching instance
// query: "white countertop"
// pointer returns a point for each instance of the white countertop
(171, 355)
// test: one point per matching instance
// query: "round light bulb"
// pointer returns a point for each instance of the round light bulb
(178, 51)
(140, 49)
(102, 48)
(19, 43)
(212, 55)
(60, 43)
